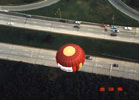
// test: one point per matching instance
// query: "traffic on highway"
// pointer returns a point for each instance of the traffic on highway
(64, 26)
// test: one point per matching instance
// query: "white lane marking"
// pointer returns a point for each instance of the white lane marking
(34, 22)
(133, 70)
(14, 19)
(61, 26)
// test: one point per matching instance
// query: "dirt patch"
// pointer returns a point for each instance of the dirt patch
(81, 1)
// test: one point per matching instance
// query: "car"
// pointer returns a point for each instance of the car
(113, 34)
(128, 28)
(78, 22)
(103, 25)
(10, 23)
(116, 31)
(114, 27)
(63, 21)
(88, 57)
(106, 29)
(114, 65)
(76, 26)
(4, 10)
(28, 16)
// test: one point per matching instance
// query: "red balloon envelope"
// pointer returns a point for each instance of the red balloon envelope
(70, 57)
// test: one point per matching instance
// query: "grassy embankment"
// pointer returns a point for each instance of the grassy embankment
(49, 40)
(17, 2)
(98, 11)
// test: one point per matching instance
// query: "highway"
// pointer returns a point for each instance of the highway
(54, 25)
(31, 6)
(46, 57)
(125, 9)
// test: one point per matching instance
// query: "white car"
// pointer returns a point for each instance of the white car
(10, 23)
(4, 10)
(128, 28)
(78, 22)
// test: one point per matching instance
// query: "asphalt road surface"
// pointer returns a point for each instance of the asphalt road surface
(46, 57)
(85, 30)
(125, 9)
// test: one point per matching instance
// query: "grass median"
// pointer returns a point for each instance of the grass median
(98, 11)
(96, 47)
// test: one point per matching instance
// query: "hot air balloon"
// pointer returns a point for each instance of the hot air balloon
(70, 57)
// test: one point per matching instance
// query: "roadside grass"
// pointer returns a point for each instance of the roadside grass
(98, 11)
(17, 2)
(54, 41)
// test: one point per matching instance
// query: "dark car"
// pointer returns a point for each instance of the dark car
(114, 65)
(76, 26)
(106, 29)
(63, 21)
(113, 34)
(88, 57)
